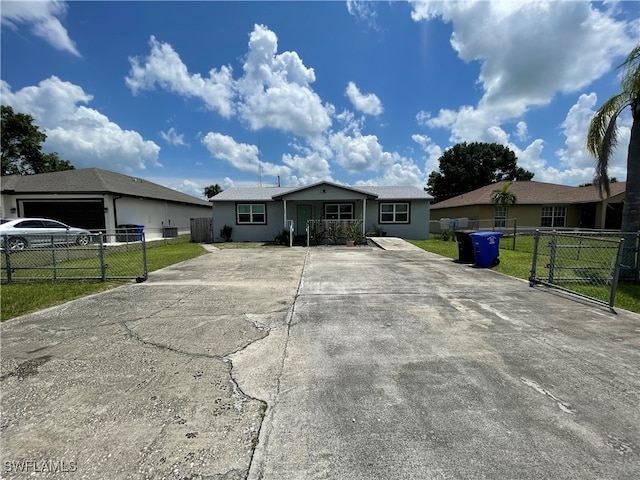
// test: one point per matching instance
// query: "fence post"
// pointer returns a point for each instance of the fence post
(53, 258)
(532, 275)
(103, 265)
(7, 256)
(144, 256)
(552, 255)
(616, 275)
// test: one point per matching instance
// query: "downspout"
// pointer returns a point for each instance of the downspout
(364, 215)
(115, 211)
(284, 222)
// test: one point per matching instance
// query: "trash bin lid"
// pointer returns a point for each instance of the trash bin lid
(485, 234)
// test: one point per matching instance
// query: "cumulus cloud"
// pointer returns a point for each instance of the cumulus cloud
(80, 134)
(366, 103)
(516, 44)
(273, 92)
(44, 19)
(242, 156)
(275, 89)
(172, 137)
(575, 126)
(164, 68)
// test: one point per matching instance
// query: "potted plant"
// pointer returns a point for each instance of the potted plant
(336, 232)
(353, 233)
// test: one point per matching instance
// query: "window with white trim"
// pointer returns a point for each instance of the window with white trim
(394, 213)
(553, 217)
(338, 211)
(251, 214)
(500, 216)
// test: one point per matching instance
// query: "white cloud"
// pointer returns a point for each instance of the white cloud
(364, 10)
(521, 131)
(310, 169)
(80, 134)
(172, 137)
(357, 152)
(242, 156)
(275, 89)
(516, 44)
(433, 151)
(43, 16)
(367, 103)
(575, 126)
(164, 67)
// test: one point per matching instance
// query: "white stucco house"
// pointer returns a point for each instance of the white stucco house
(101, 200)
(258, 214)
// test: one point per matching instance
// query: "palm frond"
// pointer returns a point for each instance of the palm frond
(631, 73)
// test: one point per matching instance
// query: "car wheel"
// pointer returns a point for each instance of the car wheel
(82, 240)
(17, 243)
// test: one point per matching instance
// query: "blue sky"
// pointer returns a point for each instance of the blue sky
(188, 94)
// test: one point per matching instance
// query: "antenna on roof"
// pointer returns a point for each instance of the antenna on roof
(259, 163)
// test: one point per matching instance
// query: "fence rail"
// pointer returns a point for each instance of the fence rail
(110, 255)
(583, 263)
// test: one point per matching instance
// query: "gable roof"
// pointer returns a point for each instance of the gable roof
(277, 193)
(94, 180)
(532, 193)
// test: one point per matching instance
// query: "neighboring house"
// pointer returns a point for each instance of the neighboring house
(101, 200)
(260, 213)
(539, 205)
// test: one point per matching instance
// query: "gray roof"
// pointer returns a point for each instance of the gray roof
(264, 194)
(94, 180)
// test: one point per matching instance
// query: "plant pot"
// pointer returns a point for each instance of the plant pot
(351, 243)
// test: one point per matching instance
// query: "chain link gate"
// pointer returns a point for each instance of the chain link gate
(107, 256)
(586, 264)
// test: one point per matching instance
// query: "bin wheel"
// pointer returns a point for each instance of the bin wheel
(496, 261)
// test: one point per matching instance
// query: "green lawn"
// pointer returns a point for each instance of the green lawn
(20, 298)
(517, 263)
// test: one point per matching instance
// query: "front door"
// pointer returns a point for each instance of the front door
(304, 214)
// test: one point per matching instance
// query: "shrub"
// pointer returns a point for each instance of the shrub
(225, 233)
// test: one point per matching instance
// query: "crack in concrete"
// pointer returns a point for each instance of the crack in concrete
(268, 412)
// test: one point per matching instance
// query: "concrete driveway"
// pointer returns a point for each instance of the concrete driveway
(340, 363)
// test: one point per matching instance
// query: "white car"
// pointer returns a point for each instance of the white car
(21, 233)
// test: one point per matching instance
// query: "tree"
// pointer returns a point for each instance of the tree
(22, 146)
(212, 190)
(602, 139)
(466, 167)
(504, 196)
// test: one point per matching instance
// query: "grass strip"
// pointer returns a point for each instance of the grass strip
(20, 298)
(518, 264)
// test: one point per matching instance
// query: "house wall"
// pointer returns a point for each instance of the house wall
(224, 213)
(154, 214)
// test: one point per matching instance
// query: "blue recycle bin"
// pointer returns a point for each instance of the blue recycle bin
(486, 248)
(130, 233)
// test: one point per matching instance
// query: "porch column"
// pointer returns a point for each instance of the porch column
(284, 221)
(364, 215)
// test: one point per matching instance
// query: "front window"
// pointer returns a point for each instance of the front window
(394, 213)
(500, 216)
(553, 217)
(251, 213)
(338, 211)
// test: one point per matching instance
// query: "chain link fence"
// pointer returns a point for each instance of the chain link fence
(587, 264)
(112, 255)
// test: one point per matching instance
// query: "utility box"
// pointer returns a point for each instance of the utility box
(486, 248)
(169, 232)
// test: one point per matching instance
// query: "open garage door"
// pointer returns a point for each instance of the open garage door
(87, 214)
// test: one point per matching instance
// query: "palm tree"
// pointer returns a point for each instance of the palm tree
(602, 139)
(504, 196)
(212, 190)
